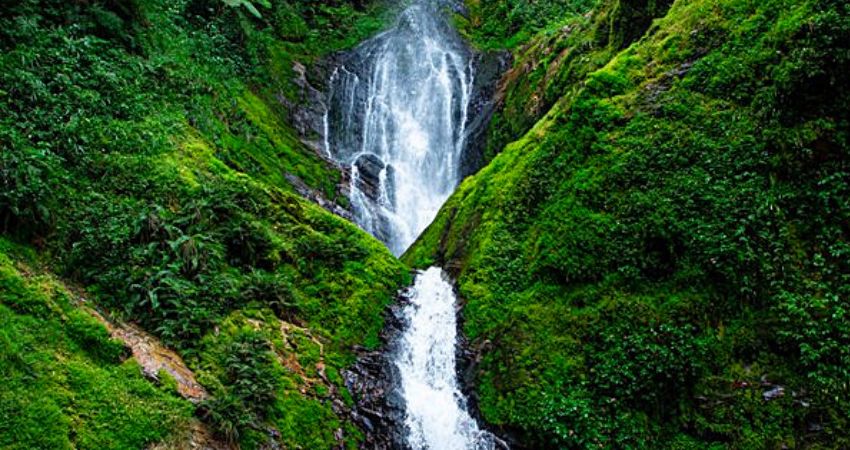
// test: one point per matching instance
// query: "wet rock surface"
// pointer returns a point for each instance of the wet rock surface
(489, 68)
(307, 108)
(373, 382)
(369, 169)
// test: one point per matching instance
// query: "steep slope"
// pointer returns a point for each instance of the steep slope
(660, 258)
(147, 153)
(65, 383)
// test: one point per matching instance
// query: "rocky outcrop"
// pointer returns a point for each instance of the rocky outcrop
(317, 197)
(305, 108)
(373, 381)
(489, 69)
(369, 169)
(155, 358)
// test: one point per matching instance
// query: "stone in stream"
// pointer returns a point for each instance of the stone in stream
(369, 171)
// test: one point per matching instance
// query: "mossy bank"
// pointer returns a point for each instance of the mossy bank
(147, 149)
(656, 255)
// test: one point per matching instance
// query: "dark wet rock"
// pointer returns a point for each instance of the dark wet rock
(344, 72)
(373, 382)
(317, 197)
(305, 108)
(489, 68)
(369, 169)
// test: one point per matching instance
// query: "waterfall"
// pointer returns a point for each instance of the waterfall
(396, 118)
(437, 417)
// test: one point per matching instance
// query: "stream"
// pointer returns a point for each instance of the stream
(397, 118)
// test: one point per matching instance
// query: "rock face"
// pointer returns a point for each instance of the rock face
(307, 109)
(369, 168)
(373, 381)
(306, 113)
(489, 68)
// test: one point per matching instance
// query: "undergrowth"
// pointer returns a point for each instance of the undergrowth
(145, 152)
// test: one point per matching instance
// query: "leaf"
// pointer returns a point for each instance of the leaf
(248, 5)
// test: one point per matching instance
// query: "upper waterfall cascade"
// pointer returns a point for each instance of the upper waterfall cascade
(397, 117)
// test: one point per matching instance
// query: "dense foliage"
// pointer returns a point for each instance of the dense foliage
(660, 259)
(509, 23)
(656, 256)
(145, 151)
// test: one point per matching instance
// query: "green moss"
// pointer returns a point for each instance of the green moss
(146, 149)
(64, 383)
(662, 232)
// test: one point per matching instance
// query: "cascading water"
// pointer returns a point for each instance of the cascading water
(437, 417)
(397, 117)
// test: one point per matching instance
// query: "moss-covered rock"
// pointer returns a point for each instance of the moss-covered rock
(658, 261)
(147, 152)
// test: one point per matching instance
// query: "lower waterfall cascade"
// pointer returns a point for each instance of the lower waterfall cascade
(437, 415)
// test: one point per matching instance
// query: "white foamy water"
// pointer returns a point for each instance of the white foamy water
(396, 117)
(437, 417)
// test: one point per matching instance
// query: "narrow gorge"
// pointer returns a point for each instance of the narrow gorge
(425, 224)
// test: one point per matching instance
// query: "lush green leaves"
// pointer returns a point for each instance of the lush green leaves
(146, 147)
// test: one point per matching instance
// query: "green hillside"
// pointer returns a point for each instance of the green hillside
(657, 255)
(145, 149)
(64, 382)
